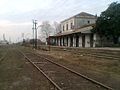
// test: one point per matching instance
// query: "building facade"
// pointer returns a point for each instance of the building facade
(76, 32)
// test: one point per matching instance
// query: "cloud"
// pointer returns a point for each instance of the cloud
(19, 6)
(16, 15)
(54, 9)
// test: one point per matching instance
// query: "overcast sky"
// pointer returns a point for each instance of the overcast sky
(16, 15)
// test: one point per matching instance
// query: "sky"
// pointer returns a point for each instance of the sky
(16, 15)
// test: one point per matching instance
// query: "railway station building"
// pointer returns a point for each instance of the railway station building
(76, 32)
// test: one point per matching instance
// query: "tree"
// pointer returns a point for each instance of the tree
(57, 27)
(46, 29)
(107, 25)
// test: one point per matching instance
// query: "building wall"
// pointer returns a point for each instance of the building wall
(87, 40)
(74, 24)
(79, 22)
(96, 40)
(64, 24)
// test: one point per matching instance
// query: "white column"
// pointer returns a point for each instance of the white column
(62, 41)
(58, 41)
(87, 40)
(68, 41)
(74, 41)
(80, 41)
(65, 41)
(94, 40)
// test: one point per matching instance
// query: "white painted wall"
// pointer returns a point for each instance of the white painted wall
(87, 40)
(84, 21)
(74, 41)
(96, 40)
(64, 23)
(80, 41)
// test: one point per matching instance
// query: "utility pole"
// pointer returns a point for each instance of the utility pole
(23, 39)
(33, 34)
(35, 22)
(4, 37)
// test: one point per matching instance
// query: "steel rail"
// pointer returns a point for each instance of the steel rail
(104, 56)
(93, 54)
(79, 74)
(98, 55)
(101, 54)
(56, 86)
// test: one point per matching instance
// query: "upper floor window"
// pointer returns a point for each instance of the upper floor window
(88, 22)
(66, 26)
(71, 25)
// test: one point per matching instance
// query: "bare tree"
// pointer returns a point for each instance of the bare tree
(57, 27)
(46, 29)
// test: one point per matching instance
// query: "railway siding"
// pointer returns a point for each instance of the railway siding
(56, 72)
(17, 74)
(101, 69)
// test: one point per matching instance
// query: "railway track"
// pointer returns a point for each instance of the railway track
(97, 55)
(106, 54)
(61, 77)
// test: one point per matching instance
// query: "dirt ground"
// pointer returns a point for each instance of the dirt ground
(18, 74)
(103, 70)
